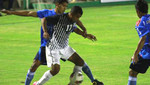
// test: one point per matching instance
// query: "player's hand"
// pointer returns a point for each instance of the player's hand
(46, 35)
(91, 37)
(134, 59)
(6, 11)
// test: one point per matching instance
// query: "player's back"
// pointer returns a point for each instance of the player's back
(143, 29)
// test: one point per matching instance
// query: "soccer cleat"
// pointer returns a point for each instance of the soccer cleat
(96, 82)
(36, 83)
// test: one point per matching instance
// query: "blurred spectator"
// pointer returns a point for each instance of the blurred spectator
(10, 4)
(1, 4)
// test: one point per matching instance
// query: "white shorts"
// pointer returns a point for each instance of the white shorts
(53, 56)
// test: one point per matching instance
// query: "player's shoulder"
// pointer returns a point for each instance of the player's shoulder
(145, 17)
(145, 20)
(47, 10)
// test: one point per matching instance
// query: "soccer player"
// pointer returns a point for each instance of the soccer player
(58, 47)
(40, 59)
(141, 56)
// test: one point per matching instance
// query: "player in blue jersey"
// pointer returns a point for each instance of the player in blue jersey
(141, 56)
(40, 59)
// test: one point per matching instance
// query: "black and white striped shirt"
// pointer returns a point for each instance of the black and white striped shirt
(63, 26)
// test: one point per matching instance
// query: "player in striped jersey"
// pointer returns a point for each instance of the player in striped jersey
(40, 58)
(141, 56)
(58, 46)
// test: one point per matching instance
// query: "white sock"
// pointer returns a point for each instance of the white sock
(31, 73)
(77, 68)
(47, 75)
(132, 80)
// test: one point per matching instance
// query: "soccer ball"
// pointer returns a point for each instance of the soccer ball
(76, 78)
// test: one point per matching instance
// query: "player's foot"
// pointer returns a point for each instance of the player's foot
(36, 83)
(96, 82)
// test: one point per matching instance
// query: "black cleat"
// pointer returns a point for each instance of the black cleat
(96, 82)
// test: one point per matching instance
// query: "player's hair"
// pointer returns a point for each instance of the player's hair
(60, 1)
(142, 6)
(76, 10)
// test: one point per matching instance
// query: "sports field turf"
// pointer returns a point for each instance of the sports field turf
(108, 58)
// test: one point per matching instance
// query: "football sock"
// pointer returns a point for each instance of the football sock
(29, 77)
(77, 68)
(88, 72)
(132, 80)
(47, 75)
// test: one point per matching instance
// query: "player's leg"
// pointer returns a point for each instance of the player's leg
(78, 61)
(53, 61)
(48, 74)
(140, 67)
(79, 64)
(132, 77)
(31, 71)
(88, 72)
(38, 60)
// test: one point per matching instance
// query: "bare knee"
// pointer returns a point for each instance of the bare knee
(55, 69)
(133, 73)
(76, 59)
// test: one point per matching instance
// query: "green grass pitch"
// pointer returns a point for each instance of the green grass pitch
(108, 58)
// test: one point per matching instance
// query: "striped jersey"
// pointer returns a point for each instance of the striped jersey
(62, 27)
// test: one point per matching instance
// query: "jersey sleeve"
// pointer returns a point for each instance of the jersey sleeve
(52, 19)
(143, 28)
(74, 27)
(42, 13)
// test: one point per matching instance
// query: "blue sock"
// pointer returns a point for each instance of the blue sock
(88, 72)
(132, 80)
(29, 77)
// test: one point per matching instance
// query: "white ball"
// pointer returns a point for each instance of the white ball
(76, 78)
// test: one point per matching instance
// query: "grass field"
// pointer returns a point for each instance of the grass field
(108, 58)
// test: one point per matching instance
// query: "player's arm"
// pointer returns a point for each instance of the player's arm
(79, 32)
(79, 23)
(44, 26)
(21, 13)
(48, 20)
(89, 36)
(138, 49)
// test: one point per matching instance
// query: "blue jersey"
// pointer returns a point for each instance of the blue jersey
(42, 14)
(143, 28)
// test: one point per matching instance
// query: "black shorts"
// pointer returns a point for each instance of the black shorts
(141, 66)
(41, 56)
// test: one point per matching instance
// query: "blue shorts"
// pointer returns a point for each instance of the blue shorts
(141, 66)
(41, 56)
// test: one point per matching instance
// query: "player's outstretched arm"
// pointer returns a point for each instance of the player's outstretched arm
(79, 32)
(21, 13)
(79, 23)
(89, 36)
(44, 26)
(138, 49)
